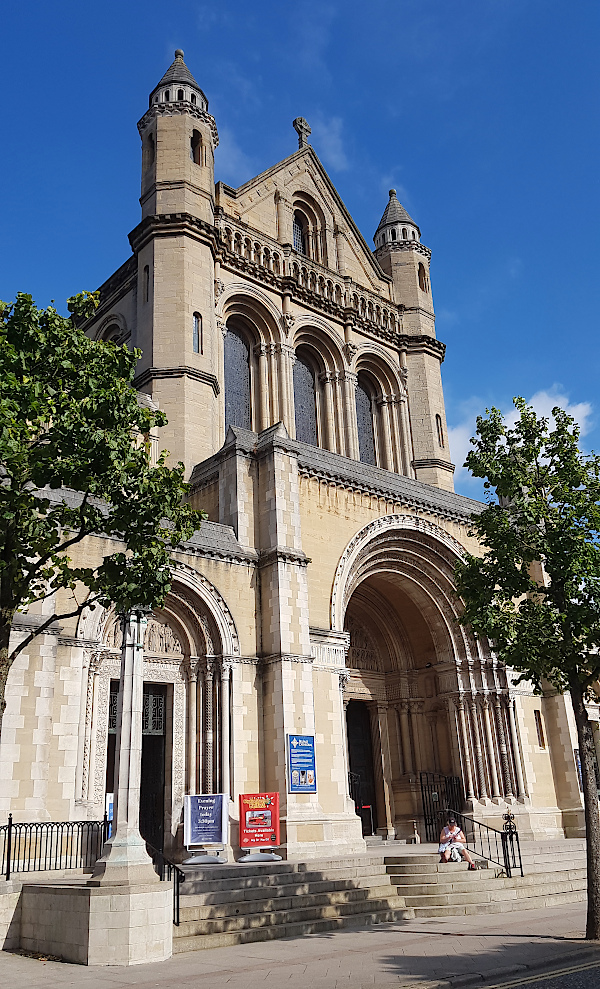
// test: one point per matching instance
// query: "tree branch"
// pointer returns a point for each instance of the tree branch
(49, 621)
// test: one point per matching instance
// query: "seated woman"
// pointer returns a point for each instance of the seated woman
(452, 837)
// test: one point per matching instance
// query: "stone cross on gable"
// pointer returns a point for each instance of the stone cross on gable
(303, 130)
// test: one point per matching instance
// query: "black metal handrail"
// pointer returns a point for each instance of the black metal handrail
(168, 870)
(500, 847)
(42, 846)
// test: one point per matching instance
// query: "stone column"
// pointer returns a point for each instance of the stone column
(504, 764)
(330, 438)
(407, 756)
(284, 218)
(382, 767)
(225, 734)
(464, 746)
(286, 388)
(478, 750)
(343, 679)
(432, 717)
(485, 709)
(260, 352)
(192, 727)
(514, 737)
(208, 768)
(386, 438)
(349, 379)
(125, 859)
(416, 717)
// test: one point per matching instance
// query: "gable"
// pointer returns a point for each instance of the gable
(267, 201)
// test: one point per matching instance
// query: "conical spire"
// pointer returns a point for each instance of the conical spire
(177, 80)
(394, 213)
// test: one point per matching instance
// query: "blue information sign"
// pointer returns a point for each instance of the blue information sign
(205, 819)
(302, 776)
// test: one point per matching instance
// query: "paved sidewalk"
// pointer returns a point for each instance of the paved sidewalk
(456, 952)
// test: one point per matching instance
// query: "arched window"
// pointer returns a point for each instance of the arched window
(167, 96)
(299, 230)
(196, 147)
(414, 236)
(148, 153)
(305, 403)
(237, 380)
(146, 288)
(180, 94)
(440, 430)
(193, 98)
(393, 234)
(404, 233)
(111, 333)
(422, 277)
(364, 422)
(198, 342)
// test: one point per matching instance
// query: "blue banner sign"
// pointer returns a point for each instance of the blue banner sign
(205, 819)
(302, 776)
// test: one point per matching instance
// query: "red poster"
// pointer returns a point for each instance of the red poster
(259, 820)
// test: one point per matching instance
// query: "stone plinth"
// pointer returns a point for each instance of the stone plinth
(102, 925)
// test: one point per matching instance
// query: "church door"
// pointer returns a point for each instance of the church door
(360, 757)
(152, 792)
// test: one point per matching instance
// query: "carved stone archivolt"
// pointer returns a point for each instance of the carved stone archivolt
(362, 654)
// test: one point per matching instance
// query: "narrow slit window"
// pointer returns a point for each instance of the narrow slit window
(440, 430)
(197, 335)
(539, 727)
(167, 96)
(196, 147)
(146, 282)
(422, 277)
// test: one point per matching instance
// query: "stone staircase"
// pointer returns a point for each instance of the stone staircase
(235, 904)
(555, 874)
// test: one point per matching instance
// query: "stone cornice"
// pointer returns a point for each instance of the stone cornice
(171, 225)
(154, 373)
(404, 245)
(282, 554)
(433, 462)
(176, 108)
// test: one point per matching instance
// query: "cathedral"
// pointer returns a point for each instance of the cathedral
(301, 376)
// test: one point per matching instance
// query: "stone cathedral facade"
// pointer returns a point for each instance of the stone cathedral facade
(300, 373)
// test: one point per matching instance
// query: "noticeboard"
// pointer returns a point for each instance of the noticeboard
(205, 819)
(259, 820)
(302, 773)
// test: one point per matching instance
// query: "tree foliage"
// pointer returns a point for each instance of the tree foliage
(535, 591)
(75, 461)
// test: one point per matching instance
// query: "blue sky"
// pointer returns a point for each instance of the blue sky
(481, 113)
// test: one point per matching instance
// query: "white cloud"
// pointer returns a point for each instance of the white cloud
(328, 143)
(543, 402)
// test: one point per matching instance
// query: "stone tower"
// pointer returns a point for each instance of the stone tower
(405, 259)
(174, 248)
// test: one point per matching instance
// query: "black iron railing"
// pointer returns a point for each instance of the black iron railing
(168, 870)
(437, 793)
(500, 847)
(43, 846)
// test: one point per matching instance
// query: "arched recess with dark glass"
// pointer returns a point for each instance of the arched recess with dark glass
(305, 398)
(309, 228)
(365, 419)
(238, 390)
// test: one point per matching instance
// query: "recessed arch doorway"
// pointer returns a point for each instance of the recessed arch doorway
(437, 700)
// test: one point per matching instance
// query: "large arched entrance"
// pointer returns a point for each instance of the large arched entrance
(434, 700)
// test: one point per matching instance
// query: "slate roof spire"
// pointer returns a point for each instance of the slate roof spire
(177, 76)
(394, 213)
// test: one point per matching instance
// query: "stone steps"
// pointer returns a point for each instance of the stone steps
(553, 874)
(225, 905)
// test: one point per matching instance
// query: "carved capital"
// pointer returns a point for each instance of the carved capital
(219, 288)
(350, 351)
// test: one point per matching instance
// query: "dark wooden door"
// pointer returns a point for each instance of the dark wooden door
(360, 754)
(152, 790)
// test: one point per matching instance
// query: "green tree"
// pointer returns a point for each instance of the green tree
(535, 592)
(75, 461)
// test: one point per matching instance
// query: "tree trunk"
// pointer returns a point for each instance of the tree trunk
(5, 665)
(592, 819)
